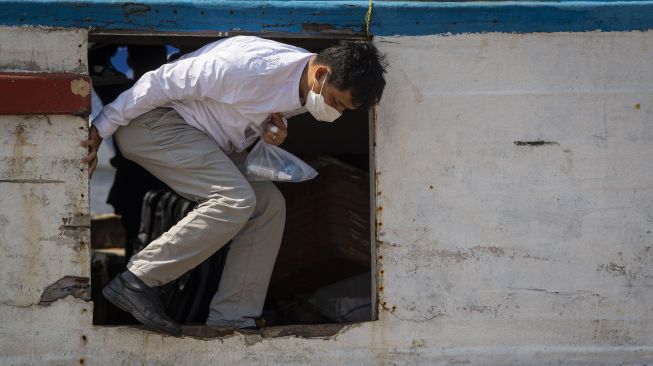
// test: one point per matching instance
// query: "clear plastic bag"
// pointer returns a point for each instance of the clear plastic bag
(270, 162)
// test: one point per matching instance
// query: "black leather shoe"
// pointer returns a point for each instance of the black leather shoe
(132, 295)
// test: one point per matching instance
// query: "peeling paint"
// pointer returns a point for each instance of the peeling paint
(78, 287)
(80, 87)
(252, 337)
(135, 9)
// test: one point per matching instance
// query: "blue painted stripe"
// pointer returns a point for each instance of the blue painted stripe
(308, 17)
(511, 16)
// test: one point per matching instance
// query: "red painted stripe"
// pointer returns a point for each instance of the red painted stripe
(45, 93)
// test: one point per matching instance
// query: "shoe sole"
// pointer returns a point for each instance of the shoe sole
(117, 300)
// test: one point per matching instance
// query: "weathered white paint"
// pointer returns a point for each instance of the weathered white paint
(43, 200)
(43, 188)
(501, 245)
(36, 49)
(489, 252)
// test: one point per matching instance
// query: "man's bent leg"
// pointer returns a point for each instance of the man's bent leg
(250, 261)
(189, 162)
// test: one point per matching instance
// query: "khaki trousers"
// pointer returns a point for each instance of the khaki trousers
(251, 215)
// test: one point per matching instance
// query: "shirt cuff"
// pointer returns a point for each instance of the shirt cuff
(104, 125)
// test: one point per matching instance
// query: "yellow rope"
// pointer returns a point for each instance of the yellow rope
(368, 19)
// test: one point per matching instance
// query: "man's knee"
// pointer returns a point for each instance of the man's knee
(237, 203)
(245, 199)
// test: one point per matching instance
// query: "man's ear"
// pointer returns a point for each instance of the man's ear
(321, 73)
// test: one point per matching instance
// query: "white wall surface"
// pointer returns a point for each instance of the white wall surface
(43, 190)
(489, 252)
(41, 49)
(43, 205)
(497, 244)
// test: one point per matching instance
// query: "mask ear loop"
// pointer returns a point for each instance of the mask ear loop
(327, 75)
(312, 86)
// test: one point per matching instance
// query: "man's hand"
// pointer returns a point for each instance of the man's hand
(278, 137)
(93, 144)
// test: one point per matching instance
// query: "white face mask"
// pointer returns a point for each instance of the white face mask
(319, 108)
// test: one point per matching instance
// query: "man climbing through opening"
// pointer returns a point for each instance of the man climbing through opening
(189, 123)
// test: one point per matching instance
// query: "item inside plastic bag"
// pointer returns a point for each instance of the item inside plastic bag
(270, 162)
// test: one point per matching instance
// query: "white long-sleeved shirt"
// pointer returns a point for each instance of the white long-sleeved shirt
(227, 89)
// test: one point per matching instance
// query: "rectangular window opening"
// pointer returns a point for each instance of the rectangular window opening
(324, 273)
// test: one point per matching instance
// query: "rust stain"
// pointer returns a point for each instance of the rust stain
(21, 163)
(83, 244)
(638, 106)
(391, 309)
(18, 159)
(78, 220)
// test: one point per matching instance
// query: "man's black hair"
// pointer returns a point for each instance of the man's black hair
(356, 66)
